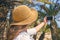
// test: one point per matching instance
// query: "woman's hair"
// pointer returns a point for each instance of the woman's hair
(14, 31)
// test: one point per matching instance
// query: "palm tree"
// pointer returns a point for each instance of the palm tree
(52, 11)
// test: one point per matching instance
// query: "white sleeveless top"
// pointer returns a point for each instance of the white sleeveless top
(26, 35)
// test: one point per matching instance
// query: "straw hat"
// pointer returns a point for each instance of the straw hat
(23, 15)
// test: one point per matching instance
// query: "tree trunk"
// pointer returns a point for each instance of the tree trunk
(54, 30)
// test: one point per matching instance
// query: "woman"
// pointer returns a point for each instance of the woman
(23, 16)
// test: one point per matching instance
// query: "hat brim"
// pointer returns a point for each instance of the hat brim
(29, 20)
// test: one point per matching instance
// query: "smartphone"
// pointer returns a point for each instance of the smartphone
(49, 18)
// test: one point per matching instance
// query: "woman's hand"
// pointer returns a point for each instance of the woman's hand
(38, 27)
(45, 20)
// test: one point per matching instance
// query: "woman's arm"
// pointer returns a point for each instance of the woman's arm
(34, 30)
(38, 27)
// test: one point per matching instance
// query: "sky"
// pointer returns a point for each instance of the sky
(58, 19)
